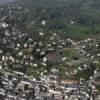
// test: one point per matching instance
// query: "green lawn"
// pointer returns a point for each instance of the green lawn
(70, 53)
(76, 30)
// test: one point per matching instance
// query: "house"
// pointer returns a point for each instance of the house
(53, 56)
(97, 78)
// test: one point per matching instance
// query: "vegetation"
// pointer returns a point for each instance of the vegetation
(86, 74)
(59, 13)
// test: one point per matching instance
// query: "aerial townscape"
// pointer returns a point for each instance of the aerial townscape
(49, 50)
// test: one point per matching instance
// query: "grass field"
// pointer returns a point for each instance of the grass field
(76, 30)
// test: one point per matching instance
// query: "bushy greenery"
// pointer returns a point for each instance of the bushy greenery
(59, 13)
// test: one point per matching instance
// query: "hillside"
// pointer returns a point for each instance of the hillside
(60, 13)
(83, 11)
(6, 1)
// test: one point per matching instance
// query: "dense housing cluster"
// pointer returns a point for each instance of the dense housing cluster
(41, 64)
(18, 86)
